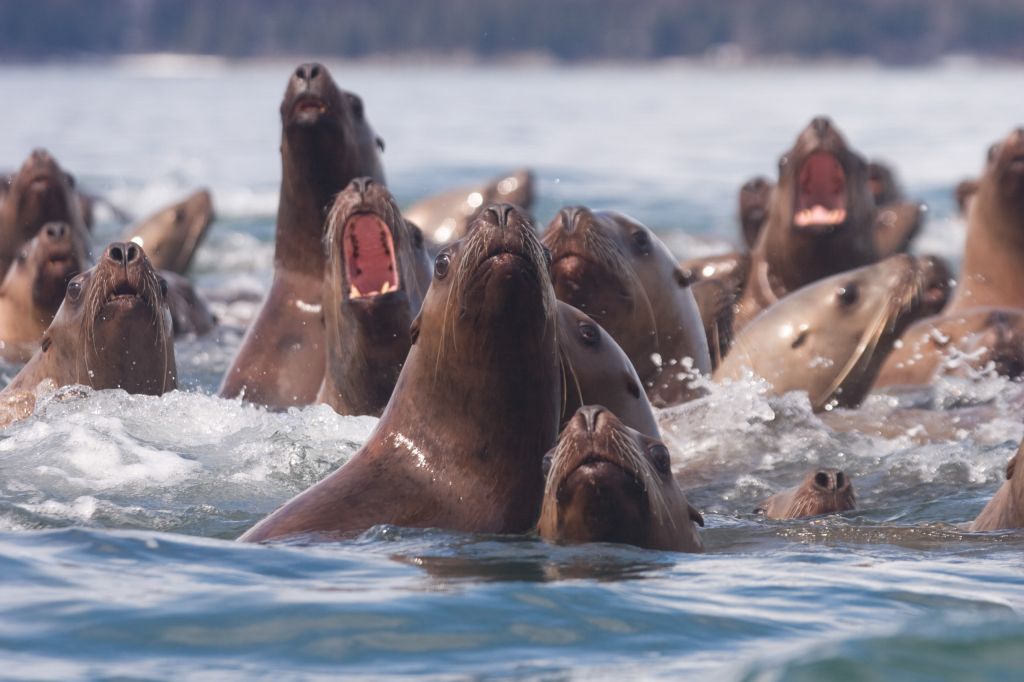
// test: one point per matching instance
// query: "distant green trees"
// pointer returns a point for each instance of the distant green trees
(901, 31)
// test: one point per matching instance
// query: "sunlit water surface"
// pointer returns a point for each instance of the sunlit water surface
(117, 512)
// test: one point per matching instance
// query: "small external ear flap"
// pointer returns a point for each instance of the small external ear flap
(414, 330)
(1010, 466)
(380, 143)
(684, 277)
(695, 515)
(416, 232)
(71, 179)
(47, 342)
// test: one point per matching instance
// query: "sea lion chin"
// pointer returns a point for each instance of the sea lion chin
(823, 491)
(609, 483)
(476, 405)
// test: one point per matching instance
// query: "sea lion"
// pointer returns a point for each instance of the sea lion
(754, 201)
(991, 276)
(819, 223)
(607, 482)
(39, 193)
(716, 302)
(172, 235)
(445, 217)
(963, 193)
(377, 275)
(190, 314)
(830, 337)
(326, 141)
(34, 287)
(597, 371)
(477, 403)
(1006, 508)
(825, 491)
(113, 330)
(618, 272)
(968, 344)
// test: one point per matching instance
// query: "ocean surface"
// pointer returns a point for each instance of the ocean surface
(118, 513)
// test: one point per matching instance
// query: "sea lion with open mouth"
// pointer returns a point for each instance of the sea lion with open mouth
(40, 192)
(377, 275)
(113, 330)
(830, 337)
(445, 217)
(618, 272)
(992, 275)
(477, 403)
(820, 221)
(326, 141)
(172, 235)
(607, 482)
(823, 491)
(34, 287)
(1006, 508)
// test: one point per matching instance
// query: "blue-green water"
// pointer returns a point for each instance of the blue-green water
(117, 512)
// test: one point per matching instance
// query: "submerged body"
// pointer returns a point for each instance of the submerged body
(825, 491)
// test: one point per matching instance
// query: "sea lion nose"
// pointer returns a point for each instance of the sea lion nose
(569, 216)
(40, 154)
(589, 415)
(821, 125)
(362, 184)
(55, 231)
(123, 253)
(309, 72)
(830, 480)
(501, 213)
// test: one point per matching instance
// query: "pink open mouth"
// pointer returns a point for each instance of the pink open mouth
(370, 265)
(821, 192)
(309, 104)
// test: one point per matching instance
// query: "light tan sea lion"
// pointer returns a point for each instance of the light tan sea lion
(1006, 508)
(172, 235)
(824, 491)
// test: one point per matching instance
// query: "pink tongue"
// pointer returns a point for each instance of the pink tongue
(368, 257)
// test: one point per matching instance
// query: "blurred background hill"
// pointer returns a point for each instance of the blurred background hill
(891, 31)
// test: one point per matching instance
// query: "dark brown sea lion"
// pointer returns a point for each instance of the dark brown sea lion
(825, 491)
(1006, 508)
(377, 275)
(597, 371)
(446, 216)
(607, 482)
(618, 272)
(172, 235)
(992, 274)
(459, 445)
(754, 201)
(820, 221)
(830, 337)
(39, 193)
(113, 330)
(326, 141)
(34, 287)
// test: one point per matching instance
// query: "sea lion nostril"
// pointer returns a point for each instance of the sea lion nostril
(822, 479)
(840, 480)
(131, 253)
(116, 253)
(314, 71)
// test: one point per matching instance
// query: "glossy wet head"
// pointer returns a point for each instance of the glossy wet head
(47, 263)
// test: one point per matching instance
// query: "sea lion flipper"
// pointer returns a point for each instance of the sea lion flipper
(695, 515)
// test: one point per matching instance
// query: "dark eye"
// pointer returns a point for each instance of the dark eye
(660, 458)
(848, 294)
(642, 241)
(589, 333)
(163, 287)
(441, 265)
(74, 290)
(357, 106)
(545, 464)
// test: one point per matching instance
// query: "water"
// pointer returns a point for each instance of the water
(117, 511)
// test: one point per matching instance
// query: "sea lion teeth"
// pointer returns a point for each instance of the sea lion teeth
(386, 288)
(354, 292)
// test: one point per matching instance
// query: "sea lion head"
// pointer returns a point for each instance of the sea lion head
(609, 483)
(830, 337)
(40, 192)
(43, 267)
(372, 250)
(172, 236)
(754, 201)
(113, 329)
(824, 491)
(822, 184)
(607, 265)
(1002, 183)
(490, 291)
